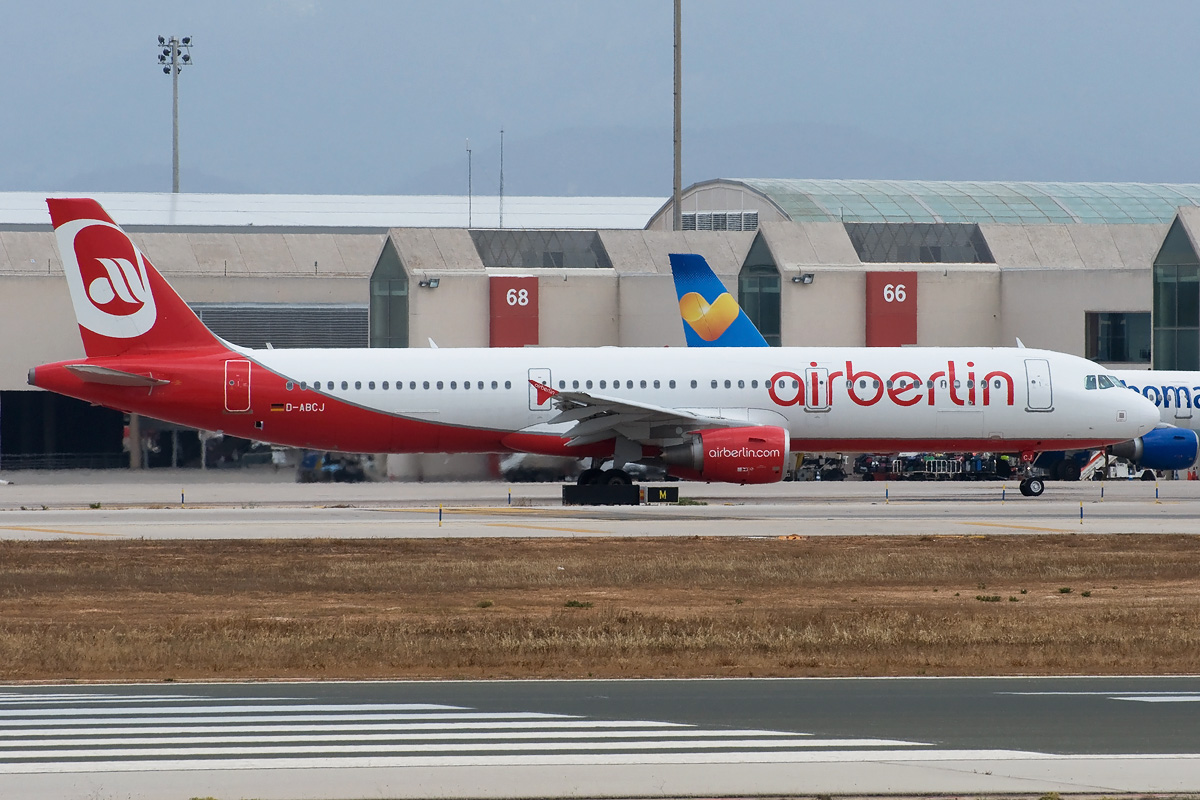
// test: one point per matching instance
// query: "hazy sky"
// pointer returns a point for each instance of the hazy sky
(324, 97)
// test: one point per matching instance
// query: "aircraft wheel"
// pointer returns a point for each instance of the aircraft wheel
(615, 477)
(1024, 487)
(589, 477)
(1069, 471)
(1035, 487)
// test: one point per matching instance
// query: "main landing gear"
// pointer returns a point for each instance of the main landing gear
(595, 476)
(1032, 487)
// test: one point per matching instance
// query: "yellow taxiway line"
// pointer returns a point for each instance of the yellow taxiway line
(541, 528)
(1021, 527)
(53, 530)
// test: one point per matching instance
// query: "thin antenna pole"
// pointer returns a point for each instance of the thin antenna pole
(468, 183)
(677, 194)
(502, 177)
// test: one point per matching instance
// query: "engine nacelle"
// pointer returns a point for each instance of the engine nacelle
(1161, 448)
(732, 455)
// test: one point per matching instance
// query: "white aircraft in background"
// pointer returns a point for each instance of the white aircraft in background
(712, 318)
(1174, 444)
(728, 415)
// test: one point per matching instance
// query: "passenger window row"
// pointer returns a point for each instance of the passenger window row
(385, 385)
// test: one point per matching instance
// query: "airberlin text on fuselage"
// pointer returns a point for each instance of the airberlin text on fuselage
(903, 388)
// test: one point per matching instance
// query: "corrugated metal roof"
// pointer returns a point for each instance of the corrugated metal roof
(378, 212)
(975, 201)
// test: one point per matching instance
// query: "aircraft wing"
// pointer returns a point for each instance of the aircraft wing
(596, 418)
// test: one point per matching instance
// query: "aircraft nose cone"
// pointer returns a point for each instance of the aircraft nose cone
(1144, 414)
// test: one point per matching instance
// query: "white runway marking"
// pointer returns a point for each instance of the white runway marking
(91, 733)
(1166, 698)
(400, 709)
(106, 728)
(1137, 697)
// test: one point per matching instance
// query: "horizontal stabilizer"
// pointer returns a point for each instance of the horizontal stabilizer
(90, 373)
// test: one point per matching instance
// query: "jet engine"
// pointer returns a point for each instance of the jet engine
(1161, 448)
(732, 455)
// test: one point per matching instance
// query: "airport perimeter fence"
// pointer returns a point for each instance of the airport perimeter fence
(21, 461)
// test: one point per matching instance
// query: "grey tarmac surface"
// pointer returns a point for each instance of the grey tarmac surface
(602, 738)
(266, 504)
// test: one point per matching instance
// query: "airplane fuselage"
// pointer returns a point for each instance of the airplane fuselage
(472, 400)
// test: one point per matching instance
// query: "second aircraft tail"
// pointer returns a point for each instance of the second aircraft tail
(711, 317)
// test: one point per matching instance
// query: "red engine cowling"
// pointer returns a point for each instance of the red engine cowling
(732, 455)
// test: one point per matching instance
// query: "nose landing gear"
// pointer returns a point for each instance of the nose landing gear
(1032, 487)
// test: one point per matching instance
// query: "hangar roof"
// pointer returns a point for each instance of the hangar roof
(362, 213)
(972, 201)
(628, 251)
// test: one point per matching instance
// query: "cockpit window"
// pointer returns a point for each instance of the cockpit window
(1091, 381)
(1108, 382)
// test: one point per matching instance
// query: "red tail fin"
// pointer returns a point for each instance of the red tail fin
(122, 303)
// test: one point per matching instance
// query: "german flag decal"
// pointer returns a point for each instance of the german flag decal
(277, 407)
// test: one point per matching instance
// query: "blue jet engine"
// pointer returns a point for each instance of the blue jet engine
(1161, 448)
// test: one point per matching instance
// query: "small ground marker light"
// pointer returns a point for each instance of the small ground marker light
(1102, 492)
(181, 500)
(1080, 512)
(439, 515)
(1156, 493)
(1003, 491)
(886, 494)
(510, 497)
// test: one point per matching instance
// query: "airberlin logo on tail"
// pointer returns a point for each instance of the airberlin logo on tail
(709, 321)
(107, 274)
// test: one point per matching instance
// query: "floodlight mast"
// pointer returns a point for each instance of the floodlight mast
(176, 54)
(677, 184)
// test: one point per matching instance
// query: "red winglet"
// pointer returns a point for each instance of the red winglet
(544, 392)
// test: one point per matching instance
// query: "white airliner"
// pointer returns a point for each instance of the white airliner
(720, 415)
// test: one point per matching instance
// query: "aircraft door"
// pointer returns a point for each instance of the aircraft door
(539, 401)
(816, 389)
(1037, 380)
(237, 385)
(1183, 403)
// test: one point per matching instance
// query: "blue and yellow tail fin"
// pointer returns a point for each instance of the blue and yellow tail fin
(711, 317)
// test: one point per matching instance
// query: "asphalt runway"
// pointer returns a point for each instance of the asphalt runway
(602, 738)
(247, 504)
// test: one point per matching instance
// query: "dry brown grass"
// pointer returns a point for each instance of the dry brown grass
(659, 607)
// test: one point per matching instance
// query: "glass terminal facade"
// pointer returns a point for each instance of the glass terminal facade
(758, 292)
(389, 300)
(1177, 303)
